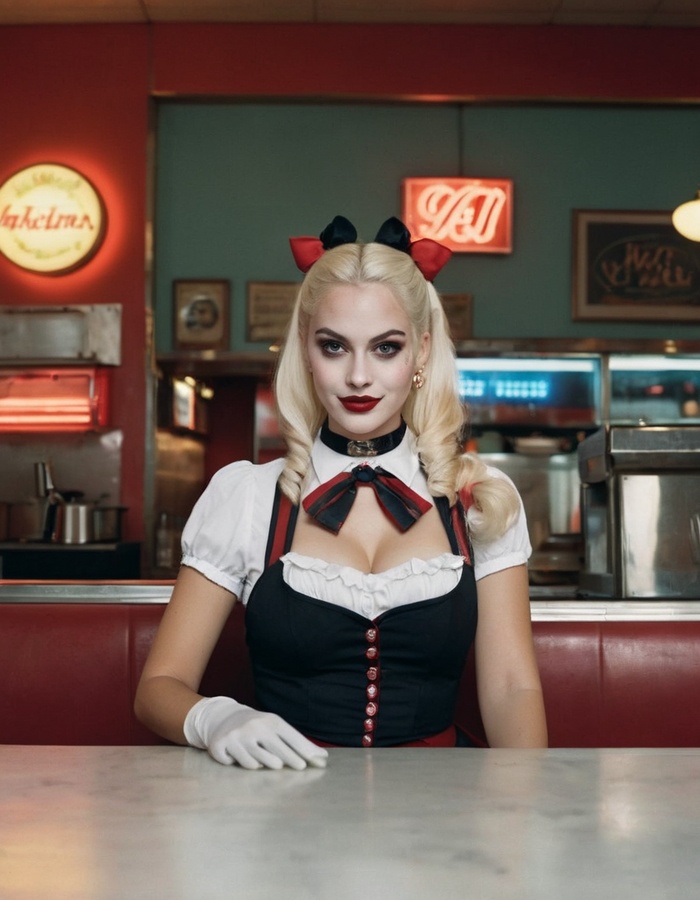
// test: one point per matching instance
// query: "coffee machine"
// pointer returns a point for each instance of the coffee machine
(640, 511)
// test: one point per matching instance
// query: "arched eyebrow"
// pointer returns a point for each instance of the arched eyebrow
(385, 335)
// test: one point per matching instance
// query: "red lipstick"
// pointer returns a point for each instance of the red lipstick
(359, 404)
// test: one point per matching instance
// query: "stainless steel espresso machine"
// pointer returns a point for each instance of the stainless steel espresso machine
(640, 509)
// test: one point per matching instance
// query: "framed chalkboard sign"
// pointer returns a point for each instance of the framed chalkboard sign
(633, 266)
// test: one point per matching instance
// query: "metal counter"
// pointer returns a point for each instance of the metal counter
(547, 603)
(85, 592)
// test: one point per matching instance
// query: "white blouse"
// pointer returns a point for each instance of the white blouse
(226, 535)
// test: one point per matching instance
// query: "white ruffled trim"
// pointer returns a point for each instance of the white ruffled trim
(356, 578)
(370, 593)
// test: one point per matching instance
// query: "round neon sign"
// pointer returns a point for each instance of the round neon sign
(52, 220)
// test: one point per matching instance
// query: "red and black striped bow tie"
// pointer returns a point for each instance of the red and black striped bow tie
(330, 503)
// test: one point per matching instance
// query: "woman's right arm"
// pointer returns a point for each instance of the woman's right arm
(167, 692)
(191, 625)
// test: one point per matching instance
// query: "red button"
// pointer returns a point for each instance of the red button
(367, 740)
(371, 709)
(372, 691)
(372, 673)
(371, 653)
(369, 724)
(371, 635)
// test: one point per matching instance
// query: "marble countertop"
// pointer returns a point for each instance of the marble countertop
(118, 822)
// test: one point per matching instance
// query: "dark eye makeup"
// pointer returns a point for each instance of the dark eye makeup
(389, 348)
(383, 346)
(330, 347)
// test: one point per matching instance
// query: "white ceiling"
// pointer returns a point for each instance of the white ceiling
(676, 13)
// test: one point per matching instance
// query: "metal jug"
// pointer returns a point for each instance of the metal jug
(74, 523)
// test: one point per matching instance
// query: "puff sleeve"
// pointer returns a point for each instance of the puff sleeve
(226, 534)
(512, 548)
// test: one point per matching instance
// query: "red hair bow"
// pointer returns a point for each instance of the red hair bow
(306, 250)
(426, 253)
(429, 256)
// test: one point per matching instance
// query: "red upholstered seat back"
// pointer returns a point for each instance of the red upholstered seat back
(69, 671)
(68, 674)
(612, 683)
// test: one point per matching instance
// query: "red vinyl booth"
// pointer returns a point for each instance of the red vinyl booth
(70, 670)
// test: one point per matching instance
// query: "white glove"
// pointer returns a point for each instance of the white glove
(234, 733)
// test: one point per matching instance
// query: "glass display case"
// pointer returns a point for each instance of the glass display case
(547, 410)
(535, 392)
(653, 389)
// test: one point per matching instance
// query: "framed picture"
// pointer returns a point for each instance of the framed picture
(269, 307)
(459, 309)
(633, 266)
(201, 315)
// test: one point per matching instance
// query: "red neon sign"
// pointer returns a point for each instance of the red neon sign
(468, 215)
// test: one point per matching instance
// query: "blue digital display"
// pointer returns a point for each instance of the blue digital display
(522, 389)
(558, 391)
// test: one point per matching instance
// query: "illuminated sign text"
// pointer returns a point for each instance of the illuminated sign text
(468, 215)
(52, 219)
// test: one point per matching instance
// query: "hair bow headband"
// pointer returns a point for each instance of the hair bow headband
(427, 254)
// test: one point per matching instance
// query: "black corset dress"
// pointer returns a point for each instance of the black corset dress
(346, 680)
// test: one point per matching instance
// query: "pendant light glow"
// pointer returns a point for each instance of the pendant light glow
(686, 219)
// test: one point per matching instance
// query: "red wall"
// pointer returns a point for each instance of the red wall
(80, 95)
(429, 62)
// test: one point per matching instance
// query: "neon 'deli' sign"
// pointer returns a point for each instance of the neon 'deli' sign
(468, 215)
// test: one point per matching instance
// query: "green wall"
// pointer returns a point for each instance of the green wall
(235, 180)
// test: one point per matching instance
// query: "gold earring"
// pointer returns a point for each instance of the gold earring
(418, 380)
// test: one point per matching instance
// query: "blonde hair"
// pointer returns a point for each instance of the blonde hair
(435, 413)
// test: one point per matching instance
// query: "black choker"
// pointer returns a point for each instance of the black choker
(372, 447)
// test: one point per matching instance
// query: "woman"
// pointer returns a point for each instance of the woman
(354, 552)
